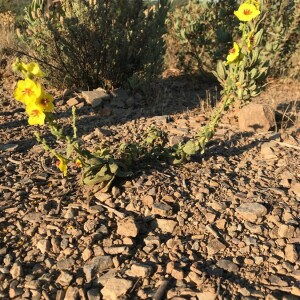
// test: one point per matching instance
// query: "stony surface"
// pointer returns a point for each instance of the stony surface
(223, 226)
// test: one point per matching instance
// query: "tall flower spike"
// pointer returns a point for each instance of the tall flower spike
(247, 12)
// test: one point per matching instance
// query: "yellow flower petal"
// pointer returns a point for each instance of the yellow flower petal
(62, 165)
(234, 53)
(33, 69)
(78, 163)
(36, 115)
(247, 12)
(27, 91)
(45, 102)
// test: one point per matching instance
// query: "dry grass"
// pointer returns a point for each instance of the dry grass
(7, 30)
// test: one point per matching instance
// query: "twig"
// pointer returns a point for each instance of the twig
(110, 209)
(3, 187)
(159, 294)
(288, 145)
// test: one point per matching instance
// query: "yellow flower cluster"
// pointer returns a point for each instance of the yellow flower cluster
(29, 92)
(246, 12)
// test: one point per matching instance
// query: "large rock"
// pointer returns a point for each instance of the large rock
(95, 97)
(251, 211)
(256, 117)
(115, 288)
(97, 266)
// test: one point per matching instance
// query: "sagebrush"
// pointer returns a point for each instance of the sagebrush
(96, 43)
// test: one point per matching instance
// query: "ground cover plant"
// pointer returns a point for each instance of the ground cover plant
(242, 77)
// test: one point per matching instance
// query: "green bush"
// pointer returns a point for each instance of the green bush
(282, 37)
(200, 33)
(97, 42)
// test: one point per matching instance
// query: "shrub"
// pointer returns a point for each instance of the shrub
(282, 38)
(200, 34)
(98, 42)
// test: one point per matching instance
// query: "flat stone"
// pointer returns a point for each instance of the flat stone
(227, 265)
(214, 246)
(71, 293)
(286, 231)
(64, 278)
(127, 227)
(207, 296)
(72, 101)
(65, 264)
(33, 217)
(267, 152)
(96, 266)
(165, 225)
(295, 188)
(251, 211)
(43, 245)
(93, 294)
(115, 288)
(148, 200)
(291, 253)
(256, 117)
(140, 270)
(276, 280)
(86, 254)
(162, 209)
(102, 196)
(16, 270)
(95, 97)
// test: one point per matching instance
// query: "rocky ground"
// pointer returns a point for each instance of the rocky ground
(223, 226)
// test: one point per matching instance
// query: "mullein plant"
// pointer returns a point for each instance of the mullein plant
(242, 77)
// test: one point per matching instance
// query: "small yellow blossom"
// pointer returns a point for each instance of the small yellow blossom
(247, 12)
(78, 163)
(45, 102)
(33, 69)
(36, 115)
(62, 165)
(27, 70)
(233, 53)
(27, 91)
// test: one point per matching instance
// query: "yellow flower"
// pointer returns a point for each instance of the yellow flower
(45, 102)
(233, 53)
(36, 115)
(247, 12)
(27, 91)
(27, 70)
(78, 163)
(62, 165)
(33, 69)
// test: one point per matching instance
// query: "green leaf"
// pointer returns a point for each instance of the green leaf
(191, 147)
(221, 70)
(113, 168)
